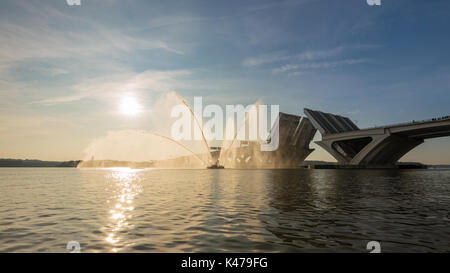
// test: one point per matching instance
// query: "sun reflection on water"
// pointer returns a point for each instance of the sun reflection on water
(125, 187)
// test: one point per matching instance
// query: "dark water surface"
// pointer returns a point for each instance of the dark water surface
(122, 210)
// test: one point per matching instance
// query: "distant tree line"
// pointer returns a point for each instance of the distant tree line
(37, 163)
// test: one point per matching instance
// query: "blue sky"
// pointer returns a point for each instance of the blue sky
(63, 69)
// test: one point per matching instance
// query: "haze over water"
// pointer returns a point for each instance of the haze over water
(123, 210)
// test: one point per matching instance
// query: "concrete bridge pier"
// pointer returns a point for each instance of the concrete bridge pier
(380, 151)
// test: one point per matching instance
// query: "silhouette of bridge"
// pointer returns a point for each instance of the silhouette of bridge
(379, 146)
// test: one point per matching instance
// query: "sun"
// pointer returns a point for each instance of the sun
(129, 106)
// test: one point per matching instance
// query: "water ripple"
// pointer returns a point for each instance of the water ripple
(123, 210)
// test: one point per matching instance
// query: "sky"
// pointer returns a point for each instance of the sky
(67, 71)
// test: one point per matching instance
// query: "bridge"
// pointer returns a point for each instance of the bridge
(373, 147)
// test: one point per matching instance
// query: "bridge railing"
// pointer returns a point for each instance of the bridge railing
(409, 123)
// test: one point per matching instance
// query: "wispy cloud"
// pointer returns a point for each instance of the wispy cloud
(112, 86)
(318, 65)
(43, 42)
(277, 4)
(297, 64)
(304, 56)
(53, 71)
(19, 43)
(36, 38)
(264, 59)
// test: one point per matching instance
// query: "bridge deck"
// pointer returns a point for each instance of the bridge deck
(423, 129)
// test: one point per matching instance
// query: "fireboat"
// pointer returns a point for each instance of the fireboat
(215, 166)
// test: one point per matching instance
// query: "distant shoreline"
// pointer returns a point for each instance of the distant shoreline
(35, 163)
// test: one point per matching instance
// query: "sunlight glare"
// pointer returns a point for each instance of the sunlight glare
(129, 106)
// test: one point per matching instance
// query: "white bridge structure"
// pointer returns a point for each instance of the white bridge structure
(373, 147)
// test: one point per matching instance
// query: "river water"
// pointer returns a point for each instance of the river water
(124, 210)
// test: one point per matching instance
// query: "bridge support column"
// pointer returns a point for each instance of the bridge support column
(382, 151)
(385, 150)
(328, 146)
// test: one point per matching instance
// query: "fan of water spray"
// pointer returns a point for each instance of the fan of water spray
(224, 151)
(176, 142)
(198, 125)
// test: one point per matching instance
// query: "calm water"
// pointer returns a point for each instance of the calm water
(120, 210)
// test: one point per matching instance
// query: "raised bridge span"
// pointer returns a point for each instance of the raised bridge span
(379, 146)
